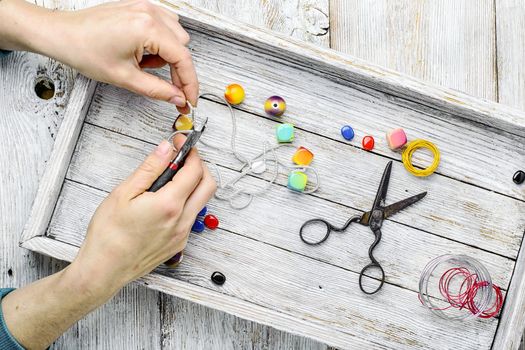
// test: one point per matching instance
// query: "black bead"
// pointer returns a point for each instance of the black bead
(218, 278)
(519, 177)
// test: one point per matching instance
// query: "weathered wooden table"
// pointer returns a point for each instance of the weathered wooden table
(144, 315)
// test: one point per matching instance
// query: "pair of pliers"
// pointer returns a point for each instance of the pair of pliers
(174, 166)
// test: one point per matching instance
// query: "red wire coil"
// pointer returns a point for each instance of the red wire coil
(466, 295)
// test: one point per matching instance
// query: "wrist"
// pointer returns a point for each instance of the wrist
(94, 285)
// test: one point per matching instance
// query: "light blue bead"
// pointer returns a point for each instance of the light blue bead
(285, 133)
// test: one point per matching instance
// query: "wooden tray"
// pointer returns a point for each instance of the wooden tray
(473, 207)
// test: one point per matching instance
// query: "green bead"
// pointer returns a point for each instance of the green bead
(284, 133)
(297, 181)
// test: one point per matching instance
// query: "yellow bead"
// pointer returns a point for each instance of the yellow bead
(234, 94)
(183, 122)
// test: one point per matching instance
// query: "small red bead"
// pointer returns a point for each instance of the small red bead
(368, 143)
(211, 221)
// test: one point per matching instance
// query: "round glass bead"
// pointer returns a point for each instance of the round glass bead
(519, 177)
(183, 122)
(234, 94)
(198, 226)
(275, 106)
(347, 132)
(368, 143)
(174, 260)
(203, 211)
(218, 278)
(211, 221)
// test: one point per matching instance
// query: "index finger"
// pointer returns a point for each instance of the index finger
(185, 180)
(182, 69)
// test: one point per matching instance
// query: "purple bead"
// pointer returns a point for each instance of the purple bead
(275, 106)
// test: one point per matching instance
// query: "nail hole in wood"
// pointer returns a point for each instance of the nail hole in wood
(45, 88)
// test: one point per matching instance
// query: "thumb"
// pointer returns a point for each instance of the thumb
(142, 179)
(152, 86)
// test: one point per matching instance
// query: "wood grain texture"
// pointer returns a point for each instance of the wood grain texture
(104, 149)
(513, 315)
(510, 23)
(300, 19)
(448, 42)
(513, 116)
(442, 208)
(28, 126)
(415, 247)
(301, 287)
(340, 102)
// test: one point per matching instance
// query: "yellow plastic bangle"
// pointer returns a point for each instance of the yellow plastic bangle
(409, 151)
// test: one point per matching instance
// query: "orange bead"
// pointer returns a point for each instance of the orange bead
(183, 122)
(234, 94)
(302, 156)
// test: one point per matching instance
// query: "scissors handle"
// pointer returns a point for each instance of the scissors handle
(374, 265)
(324, 229)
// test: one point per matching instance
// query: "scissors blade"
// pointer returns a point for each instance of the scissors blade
(398, 206)
(383, 187)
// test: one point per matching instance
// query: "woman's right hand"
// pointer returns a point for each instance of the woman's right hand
(133, 230)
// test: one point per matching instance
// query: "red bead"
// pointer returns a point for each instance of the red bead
(368, 143)
(211, 221)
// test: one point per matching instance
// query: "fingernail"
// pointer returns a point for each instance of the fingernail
(163, 148)
(178, 101)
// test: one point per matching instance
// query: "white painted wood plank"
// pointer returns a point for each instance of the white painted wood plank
(510, 19)
(513, 314)
(353, 70)
(28, 127)
(206, 297)
(300, 19)
(510, 23)
(328, 104)
(447, 42)
(273, 278)
(187, 325)
(264, 219)
(449, 204)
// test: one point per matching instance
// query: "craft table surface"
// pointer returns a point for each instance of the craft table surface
(472, 46)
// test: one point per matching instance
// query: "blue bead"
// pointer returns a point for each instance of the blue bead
(198, 226)
(203, 212)
(347, 132)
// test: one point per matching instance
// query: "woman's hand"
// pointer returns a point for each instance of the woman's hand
(111, 43)
(133, 231)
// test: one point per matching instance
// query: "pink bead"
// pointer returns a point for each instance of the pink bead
(396, 138)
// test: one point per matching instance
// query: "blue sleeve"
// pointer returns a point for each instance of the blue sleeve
(7, 341)
(3, 52)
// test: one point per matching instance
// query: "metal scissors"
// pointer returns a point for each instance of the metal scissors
(173, 167)
(316, 231)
